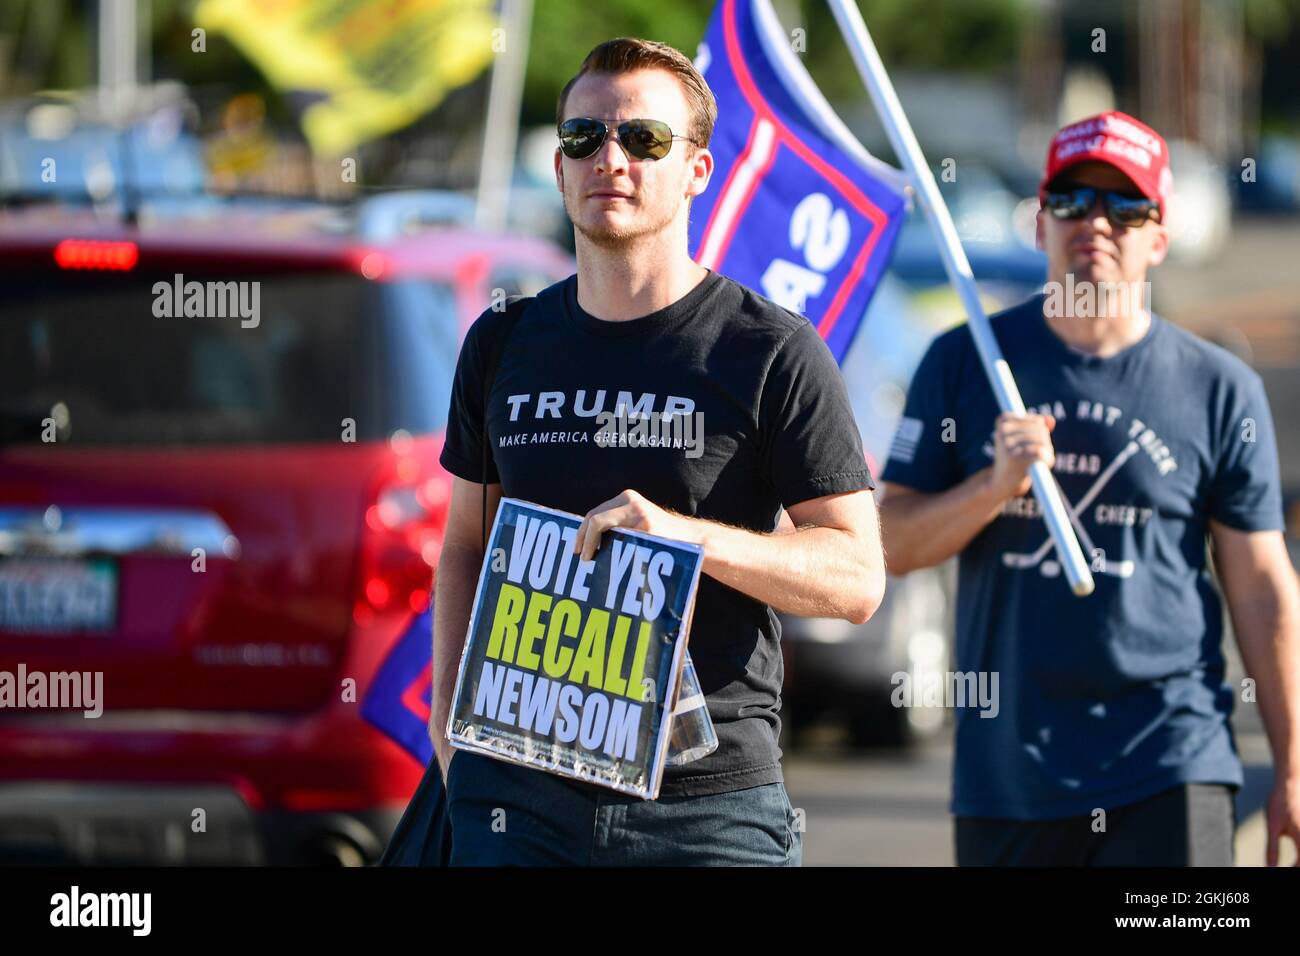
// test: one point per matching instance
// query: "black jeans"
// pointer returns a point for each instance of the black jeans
(1189, 825)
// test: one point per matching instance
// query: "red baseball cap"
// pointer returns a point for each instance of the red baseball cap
(1119, 140)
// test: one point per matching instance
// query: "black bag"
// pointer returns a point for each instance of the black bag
(423, 835)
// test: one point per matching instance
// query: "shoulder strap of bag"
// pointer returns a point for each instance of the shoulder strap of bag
(515, 307)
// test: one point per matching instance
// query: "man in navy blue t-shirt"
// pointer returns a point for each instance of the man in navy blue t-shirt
(1110, 743)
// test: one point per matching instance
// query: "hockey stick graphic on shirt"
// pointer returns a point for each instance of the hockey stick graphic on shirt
(1050, 569)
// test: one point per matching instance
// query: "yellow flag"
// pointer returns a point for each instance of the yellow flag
(377, 64)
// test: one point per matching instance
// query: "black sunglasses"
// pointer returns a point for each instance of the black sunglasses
(581, 136)
(1075, 202)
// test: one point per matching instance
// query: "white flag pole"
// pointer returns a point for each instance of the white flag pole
(501, 128)
(958, 267)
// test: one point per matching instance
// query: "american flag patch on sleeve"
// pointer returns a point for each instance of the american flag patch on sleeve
(906, 438)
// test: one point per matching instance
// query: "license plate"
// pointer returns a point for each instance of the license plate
(57, 595)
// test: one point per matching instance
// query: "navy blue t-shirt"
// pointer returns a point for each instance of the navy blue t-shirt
(1108, 699)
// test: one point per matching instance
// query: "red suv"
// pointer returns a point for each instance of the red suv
(219, 492)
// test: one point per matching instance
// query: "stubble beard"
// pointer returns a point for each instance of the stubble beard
(620, 237)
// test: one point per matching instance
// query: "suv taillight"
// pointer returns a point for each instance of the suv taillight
(96, 254)
(401, 539)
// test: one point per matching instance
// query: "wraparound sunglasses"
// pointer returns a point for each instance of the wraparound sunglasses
(1075, 202)
(581, 136)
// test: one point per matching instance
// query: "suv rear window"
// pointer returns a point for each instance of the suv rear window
(315, 353)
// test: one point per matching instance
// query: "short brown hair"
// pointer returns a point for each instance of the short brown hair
(628, 54)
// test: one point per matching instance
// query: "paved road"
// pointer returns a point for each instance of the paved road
(885, 809)
(881, 809)
(890, 808)
(1249, 298)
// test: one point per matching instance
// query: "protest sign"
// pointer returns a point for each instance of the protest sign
(573, 666)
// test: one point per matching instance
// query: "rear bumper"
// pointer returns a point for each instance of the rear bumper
(80, 824)
(272, 789)
(84, 824)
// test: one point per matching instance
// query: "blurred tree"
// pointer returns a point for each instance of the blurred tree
(563, 33)
(1272, 49)
(216, 73)
(44, 44)
(961, 35)
(50, 44)
(1270, 20)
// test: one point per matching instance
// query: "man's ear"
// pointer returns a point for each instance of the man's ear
(1159, 245)
(559, 170)
(1039, 241)
(701, 170)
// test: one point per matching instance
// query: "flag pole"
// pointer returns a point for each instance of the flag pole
(501, 128)
(890, 110)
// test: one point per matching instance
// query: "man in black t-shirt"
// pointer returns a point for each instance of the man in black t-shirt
(642, 331)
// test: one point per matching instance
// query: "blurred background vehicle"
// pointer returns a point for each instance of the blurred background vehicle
(290, 457)
(1274, 186)
(64, 148)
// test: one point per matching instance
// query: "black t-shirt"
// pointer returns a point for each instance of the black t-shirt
(774, 428)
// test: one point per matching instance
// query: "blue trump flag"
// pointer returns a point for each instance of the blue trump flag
(397, 702)
(797, 210)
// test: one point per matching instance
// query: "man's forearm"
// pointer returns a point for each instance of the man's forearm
(811, 572)
(1267, 626)
(458, 571)
(922, 530)
(829, 566)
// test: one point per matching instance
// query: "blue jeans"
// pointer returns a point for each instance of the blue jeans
(503, 815)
